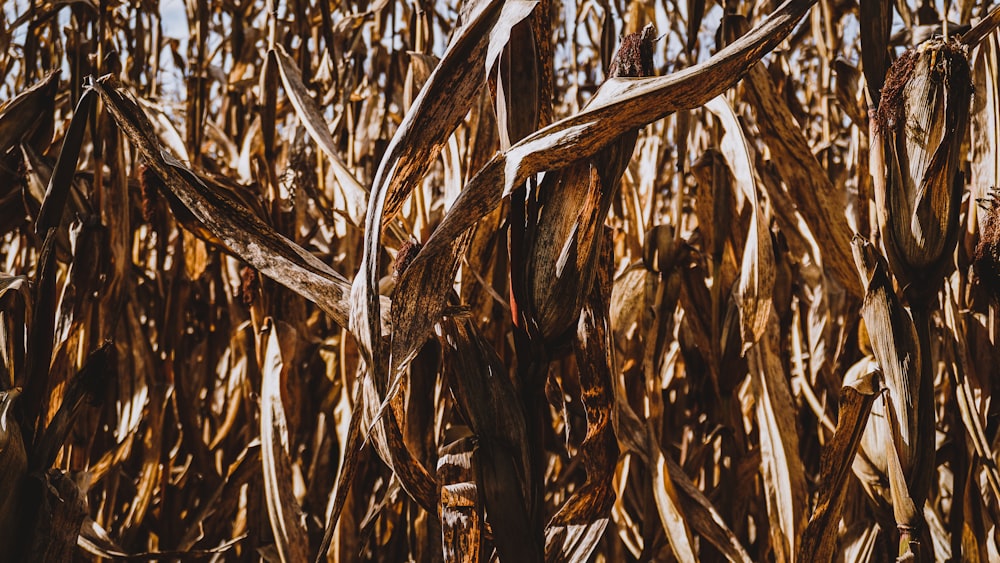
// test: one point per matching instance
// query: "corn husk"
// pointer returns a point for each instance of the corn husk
(569, 209)
(915, 150)
(898, 444)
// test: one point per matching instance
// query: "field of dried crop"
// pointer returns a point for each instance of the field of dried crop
(527, 280)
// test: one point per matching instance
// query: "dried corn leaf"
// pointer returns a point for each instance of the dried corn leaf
(387, 437)
(238, 474)
(668, 507)
(757, 270)
(848, 82)
(983, 28)
(819, 541)
(35, 377)
(876, 25)
(353, 442)
(517, 85)
(573, 532)
(89, 384)
(490, 403)
(18, 284)
(95, 540)
(23, 112)
(61, 180)
(439, 108)
(150, 476)
(432, 118)
(781, 466)
(312, 119)
(619, 106)
(628, 298)
(703, 516)
(696, 11)
(967, 389)
(820, 202)
(975, 540)
(283, 510)
(243, 233)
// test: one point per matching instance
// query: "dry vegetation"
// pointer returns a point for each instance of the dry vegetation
(728, 292)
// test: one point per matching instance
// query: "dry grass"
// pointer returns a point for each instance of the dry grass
(422, 281)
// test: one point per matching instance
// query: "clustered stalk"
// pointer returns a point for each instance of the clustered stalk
(917, 133)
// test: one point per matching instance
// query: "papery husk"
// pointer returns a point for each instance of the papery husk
(915, 156)
(869, 465)
(565, 240)
(895, 346)
(899, 441)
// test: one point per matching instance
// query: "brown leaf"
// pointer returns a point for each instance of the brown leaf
(89, 384)
(668, 507)
(243, 233)
(312, 119)
(439, 108)
(704, 517)
(490, 403)
(876, 25)
(35, 377)
(60, 181)
(619, 106)
(781, 467)
(820, 202)
(20, 114)
(517, 85)
(283, 510)
(819, 541)
(573, 533)
(757, 269)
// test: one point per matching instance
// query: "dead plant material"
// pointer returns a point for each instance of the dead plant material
(478, 280)
(917, 137)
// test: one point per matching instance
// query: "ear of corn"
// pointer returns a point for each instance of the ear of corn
(917, 136)
(566, 213)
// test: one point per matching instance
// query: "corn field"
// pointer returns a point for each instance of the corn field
(521, 280)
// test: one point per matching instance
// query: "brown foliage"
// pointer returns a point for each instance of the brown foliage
(462, 280)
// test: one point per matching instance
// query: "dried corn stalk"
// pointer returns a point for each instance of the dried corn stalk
(917, 135)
